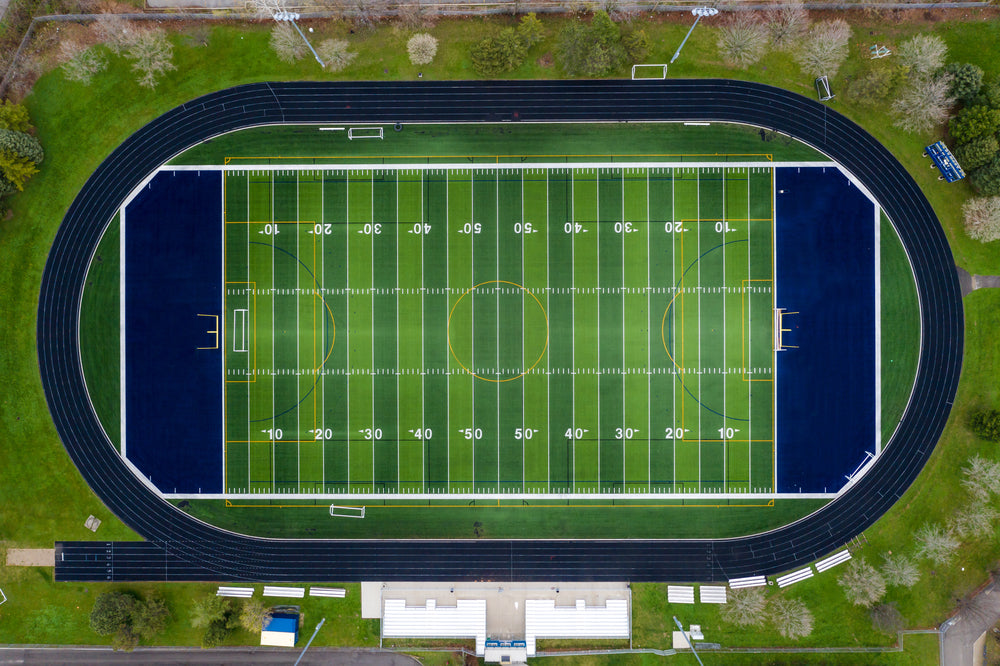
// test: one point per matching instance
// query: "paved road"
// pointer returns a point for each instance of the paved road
(215, 657)
(969, 625)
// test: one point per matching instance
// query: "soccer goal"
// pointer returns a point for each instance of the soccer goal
(347, 511)
(657, 71)
(364, 133)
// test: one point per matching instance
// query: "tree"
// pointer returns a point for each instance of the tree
(530, 30)
(16, 169)
(922, 53)
(967, 81)
(787, 22)
(743, 39)
(14, 117)
(150, 618)
(973, 121)
(593, 49)
(422, 48)
(973, 520)
(153, 56)
(636, 44)
(977, 152)
(117, 32)
(499, 53)
(899, 570)
(254, 614)
(887, 618)
(286, 43)
(334, 53)
(791, 617)
(922, 103)
(986, 179)
(824, 48)
(862, 583)
(209, 610)
(936, 543)
(982, 476)
(746, 608)
(875, 85)
(985, 423)
(81, 65)
(112, 612)
(126, 619)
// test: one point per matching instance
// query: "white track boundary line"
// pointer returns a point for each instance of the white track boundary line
(486, 166)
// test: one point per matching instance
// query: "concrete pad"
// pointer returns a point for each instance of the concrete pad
(31, 557)
(371, 600)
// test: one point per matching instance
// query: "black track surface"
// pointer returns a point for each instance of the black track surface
(179, 547)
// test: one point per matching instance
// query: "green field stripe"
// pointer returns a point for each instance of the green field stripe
(410, 330)
(359, 328)
(286, 326)
(334, 384)
(311, 466)
(560, 311)
(384, 319)
(435, 313)
(636, 334)
(510, 329)
(261, 263)
(663, 384)
(239, 365)
(586, 454)
(461, 384)
(737, 195)
(313, 322)
(611, 391)
(761, 193)
(760, 343)
(535, 280)
(484, 313)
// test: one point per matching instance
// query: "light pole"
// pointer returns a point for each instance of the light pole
(290, 17)
(698, 12)
(681, 627)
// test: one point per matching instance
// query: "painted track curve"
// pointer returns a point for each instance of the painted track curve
(178, 547)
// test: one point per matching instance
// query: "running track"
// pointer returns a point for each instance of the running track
(178, 547)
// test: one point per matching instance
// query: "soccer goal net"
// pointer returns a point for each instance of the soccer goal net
(347, 511)
(657, 71)
(364, 133)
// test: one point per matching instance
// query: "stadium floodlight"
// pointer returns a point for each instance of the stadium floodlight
(688, 640)
(291, 18)
(699, 12)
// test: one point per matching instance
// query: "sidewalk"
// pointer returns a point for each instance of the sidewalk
(964, 629)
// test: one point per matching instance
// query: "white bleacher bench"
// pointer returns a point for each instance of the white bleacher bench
(242, 592)
(749, 581)
(338, 592)
(833, 560)
(296, 592)
(795, 577)
(680, 594)
(712, 595)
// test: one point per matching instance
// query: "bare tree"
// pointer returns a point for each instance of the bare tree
(743, 39)
(973, 520)
(422, 48)
(982, 476)
(286, 43)
(153, 56)
(824, 48)
(266, 9)
(334, 53)
(117, 32)
(900, 570)
(936, 543)
(746, 608)
(922, 54)
(791, 617)
(80, 62)
(787, 22)
(923, 103)
(862, 583)
(982, 222)
(887, 618)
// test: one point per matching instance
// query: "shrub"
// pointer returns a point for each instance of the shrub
(22, 145)
(825, 48)
(746, 608)
(922, 103)
(334, 54)
(286, 43)
(498, 54)
(977, 152)
(899, 570)
(986, 423)
(967, 81)
(422, 48)
(791, 618)
(973, 121)
(936, 543)
(14, 117)
(862, 583)
(743, 39)
(922, 54)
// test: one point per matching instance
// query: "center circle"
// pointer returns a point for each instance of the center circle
(498, 331)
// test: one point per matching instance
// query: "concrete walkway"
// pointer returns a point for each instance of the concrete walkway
(970, 283)
(961, 645)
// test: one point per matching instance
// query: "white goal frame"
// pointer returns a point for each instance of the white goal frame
(364, 133)
(663, 75)
(346, 511)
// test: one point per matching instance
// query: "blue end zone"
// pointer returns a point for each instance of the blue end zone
(173, 273)
(825, 271)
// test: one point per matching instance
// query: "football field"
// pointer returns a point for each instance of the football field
(538, 329)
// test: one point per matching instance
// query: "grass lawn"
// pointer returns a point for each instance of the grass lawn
(67, 114)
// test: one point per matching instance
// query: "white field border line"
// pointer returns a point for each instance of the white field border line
(488, 166)
(494, 496)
